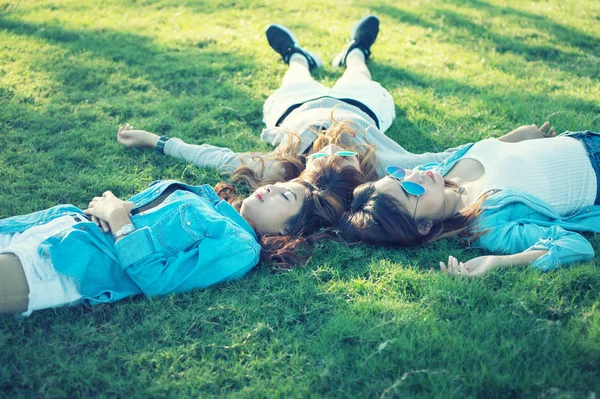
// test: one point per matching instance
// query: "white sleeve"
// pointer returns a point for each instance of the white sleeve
(205, 155)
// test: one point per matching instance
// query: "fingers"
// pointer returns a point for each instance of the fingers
(463, 270)
(124, 128)
(100, 223)
(544, 127)
(107, 194)
(443, 267)
(93, 202)
(104, 226)
(454, 267)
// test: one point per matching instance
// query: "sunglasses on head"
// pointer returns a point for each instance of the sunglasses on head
(317, 155)
(398, 173)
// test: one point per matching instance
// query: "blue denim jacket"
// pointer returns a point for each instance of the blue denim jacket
(518, 222)
(192, 240)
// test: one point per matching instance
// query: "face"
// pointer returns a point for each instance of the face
(270, 207)
(426, 207)
(331, 149)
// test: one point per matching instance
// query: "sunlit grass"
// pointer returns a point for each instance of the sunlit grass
(357, 321)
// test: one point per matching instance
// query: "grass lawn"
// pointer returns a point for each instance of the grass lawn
(355, 322)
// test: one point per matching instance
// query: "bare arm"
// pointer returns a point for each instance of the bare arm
(485, 264)
(528, 132)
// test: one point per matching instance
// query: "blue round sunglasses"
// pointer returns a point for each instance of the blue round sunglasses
(398, 173)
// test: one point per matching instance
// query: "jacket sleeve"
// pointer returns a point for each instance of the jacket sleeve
(205, 155)
(210, 261)
(563, 246)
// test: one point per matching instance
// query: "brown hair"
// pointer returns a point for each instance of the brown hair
(328, 193)
(378, 218)
(285, 163)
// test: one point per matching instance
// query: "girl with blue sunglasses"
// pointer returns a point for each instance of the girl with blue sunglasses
(516, 200)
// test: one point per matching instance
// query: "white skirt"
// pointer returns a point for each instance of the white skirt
(47, 288)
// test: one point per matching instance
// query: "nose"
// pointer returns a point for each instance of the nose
(271, 188)
(414, 176)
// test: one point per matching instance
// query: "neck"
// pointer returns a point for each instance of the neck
(453, 201)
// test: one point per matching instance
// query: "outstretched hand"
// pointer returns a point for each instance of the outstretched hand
(472, 268)
(529, 132)
(136, 138)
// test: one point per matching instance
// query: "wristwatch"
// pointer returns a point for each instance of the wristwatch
(160, 144)
(123, 231)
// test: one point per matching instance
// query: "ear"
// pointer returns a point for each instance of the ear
(424, 227)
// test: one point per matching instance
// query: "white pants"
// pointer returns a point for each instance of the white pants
(47, 288)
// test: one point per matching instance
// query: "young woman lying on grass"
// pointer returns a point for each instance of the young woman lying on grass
(307, 108)
(527, 201)
(172, 237)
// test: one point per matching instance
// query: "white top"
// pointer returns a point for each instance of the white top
(556, 170)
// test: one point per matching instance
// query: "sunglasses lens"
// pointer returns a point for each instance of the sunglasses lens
(396, 172)
(317, 155)
(346, 153)
(413, 188)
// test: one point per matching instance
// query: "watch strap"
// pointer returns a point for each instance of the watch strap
(124, 230)
(160, 144)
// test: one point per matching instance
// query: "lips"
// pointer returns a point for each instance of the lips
(431, 175)
(259, 197)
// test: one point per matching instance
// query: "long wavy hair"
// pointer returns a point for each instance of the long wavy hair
(328, 194)
(285, 163)
(380, 219)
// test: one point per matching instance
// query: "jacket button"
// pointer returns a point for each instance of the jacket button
(587, 209)
(189, 223)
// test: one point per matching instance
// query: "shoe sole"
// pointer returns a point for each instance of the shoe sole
(359, 23)
(283, 28)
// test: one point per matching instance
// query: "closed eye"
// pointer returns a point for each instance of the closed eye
(284, 196)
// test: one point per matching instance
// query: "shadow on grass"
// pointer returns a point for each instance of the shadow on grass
(445, 21)
(102, 78)
(392, 77)
(193, 70)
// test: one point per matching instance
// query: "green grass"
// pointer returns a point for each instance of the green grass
(356, 322)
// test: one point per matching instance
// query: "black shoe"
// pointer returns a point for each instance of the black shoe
(282, 40)
(363, 36)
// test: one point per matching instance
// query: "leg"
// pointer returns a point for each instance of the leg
(14, 290)
(356, 68)
(297, 86)
(298, 71)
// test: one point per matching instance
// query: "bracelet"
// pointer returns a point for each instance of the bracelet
(160, 144)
